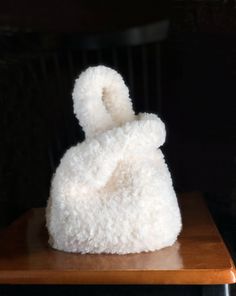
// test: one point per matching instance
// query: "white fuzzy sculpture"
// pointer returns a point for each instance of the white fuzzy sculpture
(113, 192)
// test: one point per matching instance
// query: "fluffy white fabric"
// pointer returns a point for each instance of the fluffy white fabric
(113, 192)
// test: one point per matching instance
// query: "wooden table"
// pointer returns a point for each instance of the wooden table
(198, 257)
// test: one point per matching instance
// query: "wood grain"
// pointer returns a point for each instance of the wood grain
(198, 257)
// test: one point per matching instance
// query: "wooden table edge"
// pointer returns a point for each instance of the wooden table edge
(120, 277)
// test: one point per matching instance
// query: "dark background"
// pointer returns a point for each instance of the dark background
(40, 55)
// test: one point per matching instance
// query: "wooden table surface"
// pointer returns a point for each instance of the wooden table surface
(198, 257)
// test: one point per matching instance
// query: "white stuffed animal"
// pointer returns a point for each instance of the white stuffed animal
(113, 192)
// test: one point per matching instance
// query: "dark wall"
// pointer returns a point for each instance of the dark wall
(80, 16)
(198, 106)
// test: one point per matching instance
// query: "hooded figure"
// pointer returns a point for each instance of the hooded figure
(113, 192)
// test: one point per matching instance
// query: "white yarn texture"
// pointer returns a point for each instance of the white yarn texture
(113, 192)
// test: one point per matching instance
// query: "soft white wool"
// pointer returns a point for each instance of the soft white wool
(101, 100)
(113, 192)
